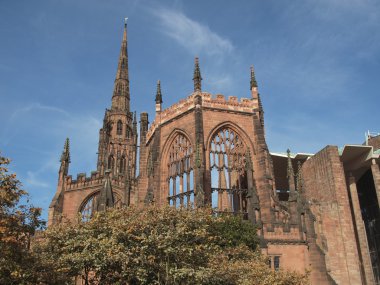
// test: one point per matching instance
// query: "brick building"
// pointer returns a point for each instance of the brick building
(317, 212)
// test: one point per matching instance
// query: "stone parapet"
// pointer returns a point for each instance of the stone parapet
(218, 102)
(83, 181)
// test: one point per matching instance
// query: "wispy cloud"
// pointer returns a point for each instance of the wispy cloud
(36, 107)
(33, 136)
(192, 35)
(33, 181)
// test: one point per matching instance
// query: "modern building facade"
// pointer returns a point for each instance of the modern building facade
(317, 212)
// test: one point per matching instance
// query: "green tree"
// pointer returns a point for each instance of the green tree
(159, 245)
(18, 223)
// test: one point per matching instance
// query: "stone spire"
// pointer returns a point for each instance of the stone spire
(290, 176)
(158, 93)
(121, 96)
(197, 76)
(253, 78)
(106, 198)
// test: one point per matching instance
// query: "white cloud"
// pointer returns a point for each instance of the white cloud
(34, 181)
(193, 36)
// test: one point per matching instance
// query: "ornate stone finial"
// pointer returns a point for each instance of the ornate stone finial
(253, 78)
(197, 76)
(66, 151)
(158, 93)
(290, 165)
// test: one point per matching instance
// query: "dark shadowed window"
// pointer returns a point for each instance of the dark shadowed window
(119, 129)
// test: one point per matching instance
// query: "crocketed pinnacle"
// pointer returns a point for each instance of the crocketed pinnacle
(290, 171)
(66, 151)
(121, 87)
(197, 76)
(253, 78)
(158, 93)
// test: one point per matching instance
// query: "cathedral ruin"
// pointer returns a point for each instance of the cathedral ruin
(317, 212)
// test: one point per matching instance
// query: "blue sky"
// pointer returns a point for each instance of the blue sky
(317, 65)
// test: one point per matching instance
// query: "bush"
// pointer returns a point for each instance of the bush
(159, 245)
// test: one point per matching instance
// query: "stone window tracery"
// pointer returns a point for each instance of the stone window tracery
(180, 172)
(89, 206)
(228, 173)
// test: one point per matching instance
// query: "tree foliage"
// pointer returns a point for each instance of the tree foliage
(152, 245)
(18, 223)
(159, 245)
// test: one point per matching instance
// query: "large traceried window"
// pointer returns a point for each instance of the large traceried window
(228, 174)
(88, 208)
(180, 172)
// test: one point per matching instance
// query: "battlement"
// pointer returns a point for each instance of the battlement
(246, 105)
(94, 180)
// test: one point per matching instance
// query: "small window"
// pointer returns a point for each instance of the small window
(111, 162)
(128, 132)
(276, 263)
(122, 165)
(119, 129)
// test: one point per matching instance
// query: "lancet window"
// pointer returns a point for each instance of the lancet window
(122, 165)
(88, 208)
(180, 172)
(127, 132)
(119, 129)
(111, 162)
(228, 173)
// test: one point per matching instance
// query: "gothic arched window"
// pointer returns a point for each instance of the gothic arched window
(119, 129)
(111, 162)
(122, 165)
(228, 174)
(180, 172)
(88, 207)
(127, 132)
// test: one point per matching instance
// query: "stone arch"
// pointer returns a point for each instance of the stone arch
(237, 129)
(87, 207)
(177, 167)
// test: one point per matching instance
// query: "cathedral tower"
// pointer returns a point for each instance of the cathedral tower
(117, 137)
